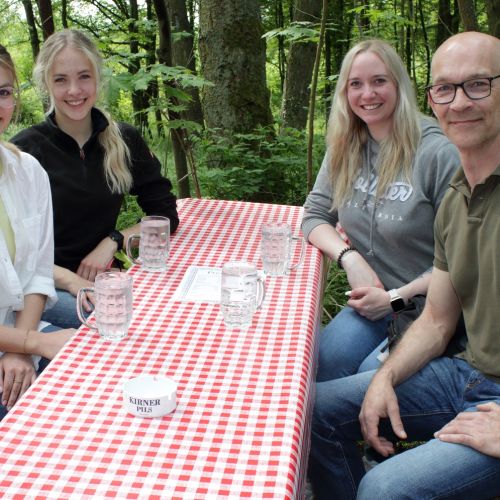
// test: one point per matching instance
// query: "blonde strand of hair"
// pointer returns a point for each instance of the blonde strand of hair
(116, 158)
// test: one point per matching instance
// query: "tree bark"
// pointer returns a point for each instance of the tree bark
(314, 84)
(468, 15)
(46, 17)
(64, 13)
(233, 58)
(33, 33)
(444, 27)
(183, 54)
(177, 136)
(299, 70)
(493, 11)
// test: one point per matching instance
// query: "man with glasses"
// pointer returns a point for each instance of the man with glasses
(451, 403)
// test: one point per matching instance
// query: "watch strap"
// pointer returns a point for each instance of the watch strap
(117, 237)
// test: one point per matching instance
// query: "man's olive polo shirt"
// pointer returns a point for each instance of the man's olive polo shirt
(467, 241)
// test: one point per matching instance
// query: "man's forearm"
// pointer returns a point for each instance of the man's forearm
(425, 340)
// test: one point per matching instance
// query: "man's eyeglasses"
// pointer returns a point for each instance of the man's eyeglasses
(476, 88)
(7, 97)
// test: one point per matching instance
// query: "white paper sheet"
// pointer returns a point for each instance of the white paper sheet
(200, 284)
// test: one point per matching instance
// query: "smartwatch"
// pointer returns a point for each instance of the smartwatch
(397, 302)
(117, 237)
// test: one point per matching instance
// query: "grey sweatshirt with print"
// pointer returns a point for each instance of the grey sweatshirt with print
(395, 235)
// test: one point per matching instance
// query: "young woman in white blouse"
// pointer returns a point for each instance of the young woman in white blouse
(26, 257)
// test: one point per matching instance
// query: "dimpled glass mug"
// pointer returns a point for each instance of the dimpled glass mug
(276, 248)
(242, 293)
(154, 244)
(113, 305)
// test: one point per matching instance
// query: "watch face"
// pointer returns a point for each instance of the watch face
(397, 304)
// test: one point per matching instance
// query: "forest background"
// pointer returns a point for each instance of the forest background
(233, 95)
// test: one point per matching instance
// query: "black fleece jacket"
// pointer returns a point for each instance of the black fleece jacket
(85, 210)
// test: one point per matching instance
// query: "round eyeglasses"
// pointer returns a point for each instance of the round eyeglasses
(475, 88)
(7, 97)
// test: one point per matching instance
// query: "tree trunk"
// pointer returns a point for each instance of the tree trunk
(64, 13)
(165, 57)
(299, 70)
(317, 59)
(444, 27)
(468, 15)
(327, 93)
(30, 20)
(280, 23)
(139, 99)
(233, 58)
(46, 17)
(493, 11)
(183, 55)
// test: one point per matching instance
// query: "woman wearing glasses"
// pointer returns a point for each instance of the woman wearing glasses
(26, 256)
(383, 177)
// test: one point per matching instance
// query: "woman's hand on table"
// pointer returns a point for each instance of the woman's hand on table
(359, 272)
(17, 373)
(370, 302)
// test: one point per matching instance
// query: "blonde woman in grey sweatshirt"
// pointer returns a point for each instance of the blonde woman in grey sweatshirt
(383, 177)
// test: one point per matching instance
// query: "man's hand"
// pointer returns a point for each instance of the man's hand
(380, 402)
(478, 429)
(98, 260)
(370, 302)
(17, 373)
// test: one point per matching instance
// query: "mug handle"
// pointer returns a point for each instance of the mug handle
(302, 252)
(79, 307)
(261, 289)
(128, 248)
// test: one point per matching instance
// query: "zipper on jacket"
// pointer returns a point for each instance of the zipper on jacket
(82, 154)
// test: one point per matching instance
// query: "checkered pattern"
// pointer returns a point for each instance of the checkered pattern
(241, 426)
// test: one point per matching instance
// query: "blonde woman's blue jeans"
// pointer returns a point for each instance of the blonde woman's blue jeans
(350, 344)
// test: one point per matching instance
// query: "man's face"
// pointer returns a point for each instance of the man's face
(469, 124)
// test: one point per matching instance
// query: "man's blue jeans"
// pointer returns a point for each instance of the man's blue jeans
(63, 314)
(427, 400)
(350, 344)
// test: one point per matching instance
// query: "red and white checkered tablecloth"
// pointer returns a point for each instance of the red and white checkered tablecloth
(241, 427)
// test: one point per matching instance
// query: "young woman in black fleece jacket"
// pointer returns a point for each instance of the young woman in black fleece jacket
(92, 162)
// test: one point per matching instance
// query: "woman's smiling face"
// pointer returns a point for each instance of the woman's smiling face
(372, 94)
(73, 86)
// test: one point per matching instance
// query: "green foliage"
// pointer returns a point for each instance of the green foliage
(257, 167)
(302, 31)
(130, 214)
(334, 294)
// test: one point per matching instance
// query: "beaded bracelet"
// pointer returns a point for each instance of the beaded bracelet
(350, 248)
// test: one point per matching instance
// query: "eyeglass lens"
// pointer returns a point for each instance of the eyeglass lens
(474, 89)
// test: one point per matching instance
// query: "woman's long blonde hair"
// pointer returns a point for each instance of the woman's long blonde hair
(7, 63)
(347, 133)
(116, 152)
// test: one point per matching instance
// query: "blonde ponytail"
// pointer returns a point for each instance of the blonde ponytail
(116, 158)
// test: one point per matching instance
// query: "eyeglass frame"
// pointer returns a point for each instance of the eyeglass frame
(13, 96)
(461, 85)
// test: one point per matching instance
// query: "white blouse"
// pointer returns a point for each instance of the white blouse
(25, 192)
